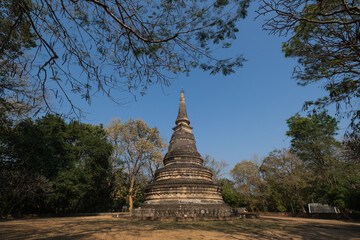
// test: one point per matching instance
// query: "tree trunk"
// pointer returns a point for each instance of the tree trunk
(131, 190)
(130, 202)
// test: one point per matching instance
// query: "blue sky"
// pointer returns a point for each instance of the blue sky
(233, 117)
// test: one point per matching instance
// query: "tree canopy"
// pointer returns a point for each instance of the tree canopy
(332, 175)
(324, 37)
(312, 138)
(286, 178)
(17, 96)
(248, 182)
(140, 147)
(83, 47)
(50, 166)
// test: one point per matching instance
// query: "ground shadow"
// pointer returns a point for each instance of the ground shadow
(263, 228)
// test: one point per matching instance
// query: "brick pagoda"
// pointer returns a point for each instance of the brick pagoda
(183, 188)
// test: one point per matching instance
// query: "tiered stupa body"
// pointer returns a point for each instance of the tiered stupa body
(183, 188)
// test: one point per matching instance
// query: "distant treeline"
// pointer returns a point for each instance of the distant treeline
(50, 166)
(315, 169)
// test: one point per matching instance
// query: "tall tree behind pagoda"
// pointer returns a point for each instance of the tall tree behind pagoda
(136, 145)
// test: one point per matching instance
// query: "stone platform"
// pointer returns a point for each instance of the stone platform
(184, 212)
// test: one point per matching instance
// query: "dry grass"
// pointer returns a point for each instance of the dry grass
(107, 227)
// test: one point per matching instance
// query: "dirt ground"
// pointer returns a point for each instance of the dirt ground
(107, 227)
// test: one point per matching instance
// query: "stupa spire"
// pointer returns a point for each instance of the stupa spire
(182, 115)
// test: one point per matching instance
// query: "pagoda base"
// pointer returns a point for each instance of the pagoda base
(183, 212)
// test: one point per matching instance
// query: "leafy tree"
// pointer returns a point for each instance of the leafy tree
(139, 144)
(229, 193)
(123, 45)
(93, 152)
(313, 141)
(119, 189)
(285, 178)
(324, 37)
(69, 191)
(60, 167)
(248, 183)
(41, 146)
(81, 184)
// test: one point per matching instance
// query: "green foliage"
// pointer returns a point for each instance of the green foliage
(50, 166)
(324, 37)
(317, 168)
(40, 146)
(65, 166)
(285, 179)
(16, 31)
(313, 139)
(314, 143)
(119, 189)
(248, 183)
(69, 191)
(229, 193)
